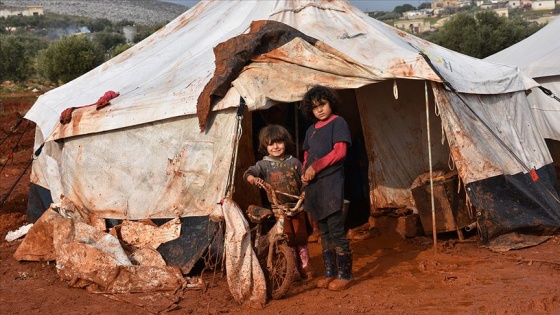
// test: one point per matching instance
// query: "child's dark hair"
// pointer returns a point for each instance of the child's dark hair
(318, 93)
(275, 133)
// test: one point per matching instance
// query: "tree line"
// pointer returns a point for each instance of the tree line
(26, 52)
(31, 47)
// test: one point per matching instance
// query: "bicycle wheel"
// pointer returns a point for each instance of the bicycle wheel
(281, 275)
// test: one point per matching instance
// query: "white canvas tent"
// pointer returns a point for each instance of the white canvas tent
(538, 57)
(145, 156)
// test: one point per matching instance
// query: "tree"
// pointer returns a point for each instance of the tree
(483, 34)
(119, 49)
(99, 25)
(16, 56)
(68, 58)
(389, 16)
(108, 40)
(424, 5)
(404, 8)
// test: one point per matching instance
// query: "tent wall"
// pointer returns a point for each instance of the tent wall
(493, 159)
(546, 110)
(491, 135)
(396, 139)
(150, 171)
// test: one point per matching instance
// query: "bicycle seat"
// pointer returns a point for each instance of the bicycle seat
(256, 214)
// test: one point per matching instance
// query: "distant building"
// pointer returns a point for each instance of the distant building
(516, 4)
(413, 26)
(28, 11)
(418, 14)
(543, 5)
(445, 4)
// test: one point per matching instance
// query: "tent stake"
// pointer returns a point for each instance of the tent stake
(434, 232)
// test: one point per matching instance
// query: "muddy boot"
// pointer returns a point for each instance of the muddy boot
(344, 278)
(303, 263)
(329, 258)
(314, 236)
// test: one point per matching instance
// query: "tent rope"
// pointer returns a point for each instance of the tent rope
(432, 199)
(500, 141)
(14, 148)
(37, 152)
(238, 133)
(12, 130)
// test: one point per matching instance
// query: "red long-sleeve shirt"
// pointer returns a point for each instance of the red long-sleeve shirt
(338, 152)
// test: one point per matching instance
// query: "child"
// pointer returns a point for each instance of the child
(283, 172)
(324, 149)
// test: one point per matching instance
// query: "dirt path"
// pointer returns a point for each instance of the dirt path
(392, 275)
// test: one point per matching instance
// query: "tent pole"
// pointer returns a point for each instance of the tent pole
(238, 132)
(297, 129)
(434, 232)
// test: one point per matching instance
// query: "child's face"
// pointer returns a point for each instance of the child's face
(321, 109)
(276, 149)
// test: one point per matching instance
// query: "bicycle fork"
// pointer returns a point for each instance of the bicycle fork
(275, 235)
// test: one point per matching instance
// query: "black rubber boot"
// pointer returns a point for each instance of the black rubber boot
(344, 278)
(329, 258)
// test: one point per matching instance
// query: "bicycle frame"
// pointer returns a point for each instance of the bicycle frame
(280, 212)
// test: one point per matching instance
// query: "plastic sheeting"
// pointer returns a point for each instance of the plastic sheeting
(244, 274)
(490, 136)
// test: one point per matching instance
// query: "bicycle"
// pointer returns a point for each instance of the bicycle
(276, 258)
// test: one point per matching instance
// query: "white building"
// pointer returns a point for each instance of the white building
(543, 5)
(413, 26)
(28, 11)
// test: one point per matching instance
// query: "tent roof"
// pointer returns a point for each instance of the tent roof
(162, 76)
(537, 55)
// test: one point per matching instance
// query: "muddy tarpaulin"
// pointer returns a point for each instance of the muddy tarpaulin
(233, 54)
(90, 258)
(244, 274)
(514, 211)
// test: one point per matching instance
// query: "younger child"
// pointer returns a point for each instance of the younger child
(283, 173)
(324, 149)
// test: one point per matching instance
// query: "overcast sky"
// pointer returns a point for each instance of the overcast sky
(364, 5)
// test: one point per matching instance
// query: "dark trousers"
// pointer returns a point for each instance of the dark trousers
(332, 233)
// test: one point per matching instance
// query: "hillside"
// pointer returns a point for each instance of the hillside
(147, 12)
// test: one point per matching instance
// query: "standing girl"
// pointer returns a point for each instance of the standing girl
(283, 173)
(324, 149)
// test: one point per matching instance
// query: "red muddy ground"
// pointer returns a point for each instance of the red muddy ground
(392, 275)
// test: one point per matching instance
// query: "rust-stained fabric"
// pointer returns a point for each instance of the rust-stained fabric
(88, 257)
(244, 274)
(233, 54)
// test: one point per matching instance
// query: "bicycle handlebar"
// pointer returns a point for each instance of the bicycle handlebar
(272, 196)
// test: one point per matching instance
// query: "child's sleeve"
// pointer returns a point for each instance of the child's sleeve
(337, 154)
(255, 170)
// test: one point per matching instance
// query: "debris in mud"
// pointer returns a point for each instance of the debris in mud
(20, 232)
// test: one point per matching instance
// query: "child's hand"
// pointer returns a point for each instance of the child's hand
(309, 175)
(257, 181)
